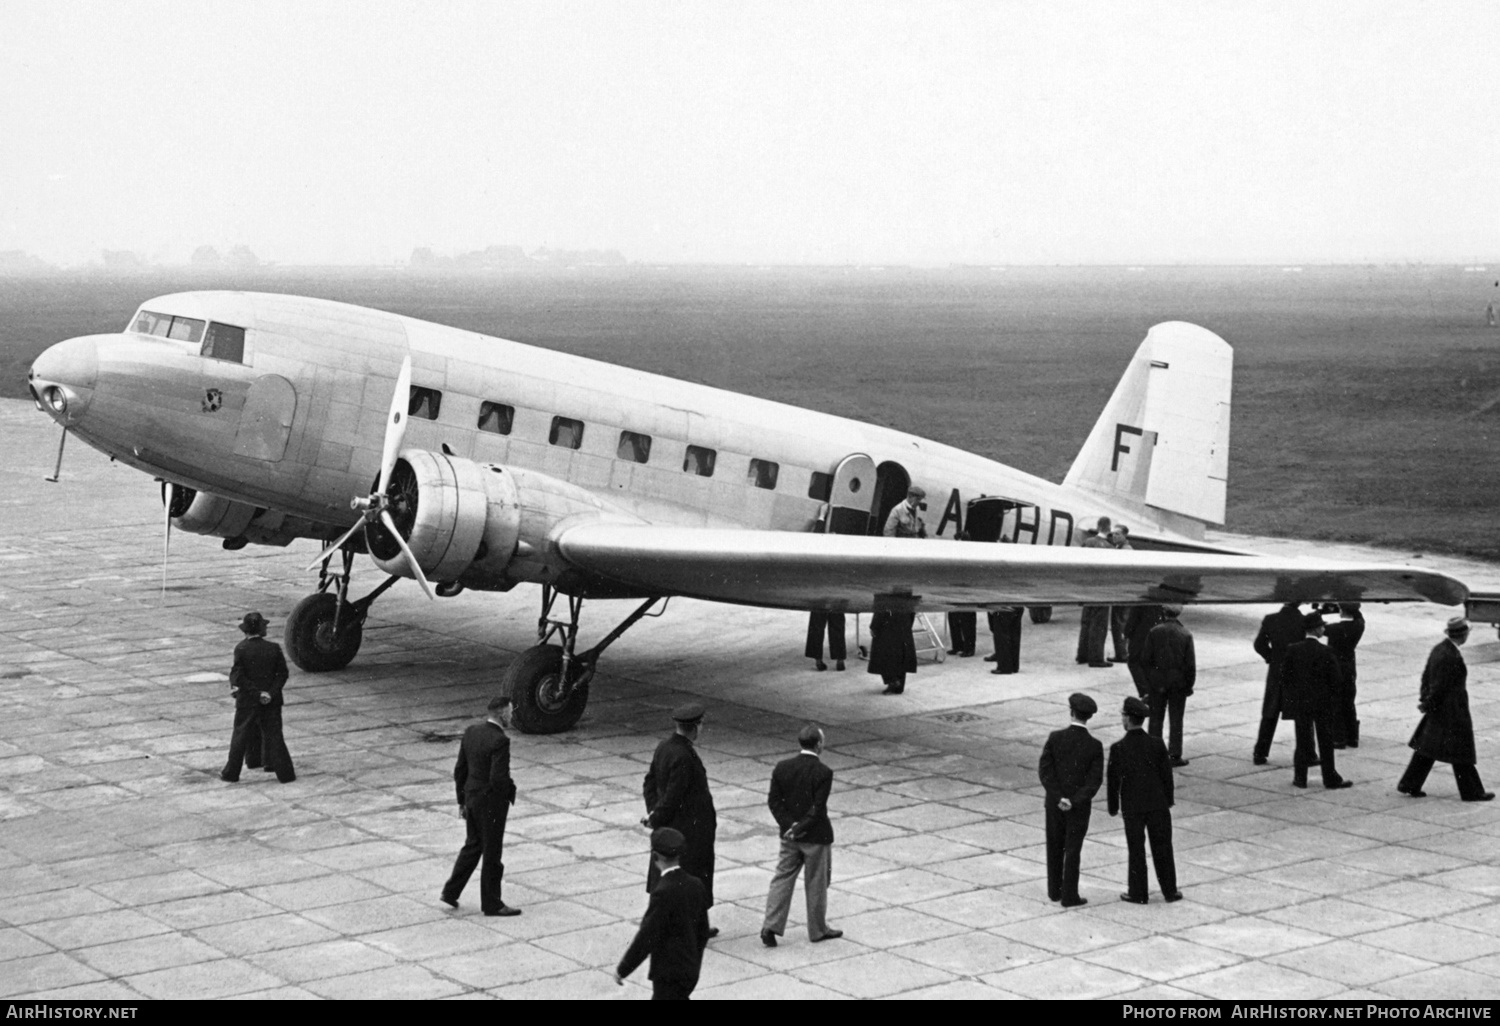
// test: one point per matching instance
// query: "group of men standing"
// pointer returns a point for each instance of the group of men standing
(1139, 774)
(680, 815)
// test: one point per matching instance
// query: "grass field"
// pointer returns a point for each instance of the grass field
(1365, 399)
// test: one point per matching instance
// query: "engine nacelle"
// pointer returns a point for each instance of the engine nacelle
(484, 526)
(453, 512)
(238, 523)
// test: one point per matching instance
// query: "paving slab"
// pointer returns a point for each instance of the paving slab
(128, 870)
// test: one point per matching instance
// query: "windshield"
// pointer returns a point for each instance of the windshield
(184, 329)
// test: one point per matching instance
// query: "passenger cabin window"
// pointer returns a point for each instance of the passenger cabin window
(699, 461)
(566, 432)
(821, 487)
(496, 418)
(633, 447)
(225, 342)
(764, 472)
(183, 329)
(425, 403)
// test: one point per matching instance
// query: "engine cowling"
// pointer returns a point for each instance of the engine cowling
(238, 523)
(452, 512)
(482, 525)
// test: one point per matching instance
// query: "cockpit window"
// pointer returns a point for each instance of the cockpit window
(183, 329)
(225, 342)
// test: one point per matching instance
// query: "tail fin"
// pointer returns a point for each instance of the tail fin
(1162, 442)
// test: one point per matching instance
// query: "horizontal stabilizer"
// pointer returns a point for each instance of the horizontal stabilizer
(857, 573)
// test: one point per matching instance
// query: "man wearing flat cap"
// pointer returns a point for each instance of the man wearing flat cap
(1446, 733)
(677, 796)
(1071, 769)
(1310, 689)
(1140, 787)
(485, 794)
(905, 520)
(675, 929)
(256, 679)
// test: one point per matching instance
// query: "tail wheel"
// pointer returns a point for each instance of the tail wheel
(541, 701)
(1040, 614)
(310, 637)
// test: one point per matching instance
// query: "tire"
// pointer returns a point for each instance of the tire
(531, 681)
(309, 636)
(1040, 614)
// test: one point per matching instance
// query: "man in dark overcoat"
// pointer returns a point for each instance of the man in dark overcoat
(1310, 687)
(1093, 621)
(1343, 637)
(256, 680)
(1277, 631)
(1446, 733)
(1071, 769)
(677, 796)
(893, 652)
(1171, 667)
(674, 930)
(1140, 787)
(485, 790)
(1138, 623)
(798, 800)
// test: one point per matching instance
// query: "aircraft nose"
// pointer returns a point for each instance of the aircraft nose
(63, 378)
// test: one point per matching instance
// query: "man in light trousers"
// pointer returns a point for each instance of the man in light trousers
(799, 801)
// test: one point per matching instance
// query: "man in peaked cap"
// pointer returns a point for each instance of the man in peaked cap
(677, 796)
(256, 679)
(1140, 786)
(1071, 769)
(1446, 733)
(674, 930)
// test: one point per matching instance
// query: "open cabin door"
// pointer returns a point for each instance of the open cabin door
(992, 518)
(850, 495)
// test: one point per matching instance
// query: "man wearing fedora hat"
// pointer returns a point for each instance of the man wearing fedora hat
(1310, 686)
(674, 930)
(1071, 769)
(676, 793)
(255, 681)
(1446, 733)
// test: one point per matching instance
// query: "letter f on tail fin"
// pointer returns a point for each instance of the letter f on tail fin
(1162, 443)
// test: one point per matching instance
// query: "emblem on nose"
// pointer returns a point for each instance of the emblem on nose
(213, 398)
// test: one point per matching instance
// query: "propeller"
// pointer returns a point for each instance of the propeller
(374, 507)
(168, 496)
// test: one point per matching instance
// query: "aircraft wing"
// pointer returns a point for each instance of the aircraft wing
(856, 573)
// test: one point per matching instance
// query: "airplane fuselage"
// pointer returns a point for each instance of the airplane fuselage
(290, 418)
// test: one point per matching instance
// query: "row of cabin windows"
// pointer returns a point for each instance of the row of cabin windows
(634, 447)
(220, 341)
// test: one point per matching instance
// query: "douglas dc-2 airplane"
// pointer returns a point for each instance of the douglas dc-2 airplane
(479, 463)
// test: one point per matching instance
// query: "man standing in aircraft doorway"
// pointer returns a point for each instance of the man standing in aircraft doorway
(677, 796)
(905, 520)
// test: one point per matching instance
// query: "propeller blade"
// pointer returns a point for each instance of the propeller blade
(411, 560)
(168, 493)
(328, 552)
(395, 424)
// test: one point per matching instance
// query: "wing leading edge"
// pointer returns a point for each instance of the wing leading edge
(812, 571)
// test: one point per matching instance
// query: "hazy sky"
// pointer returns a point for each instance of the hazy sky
(822, 131)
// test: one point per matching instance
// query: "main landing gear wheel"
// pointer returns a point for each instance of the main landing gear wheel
(1040, 614)
(311, 640)
(540, 700)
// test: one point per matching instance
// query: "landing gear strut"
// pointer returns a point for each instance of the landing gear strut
(325, 629)
(548, 684)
